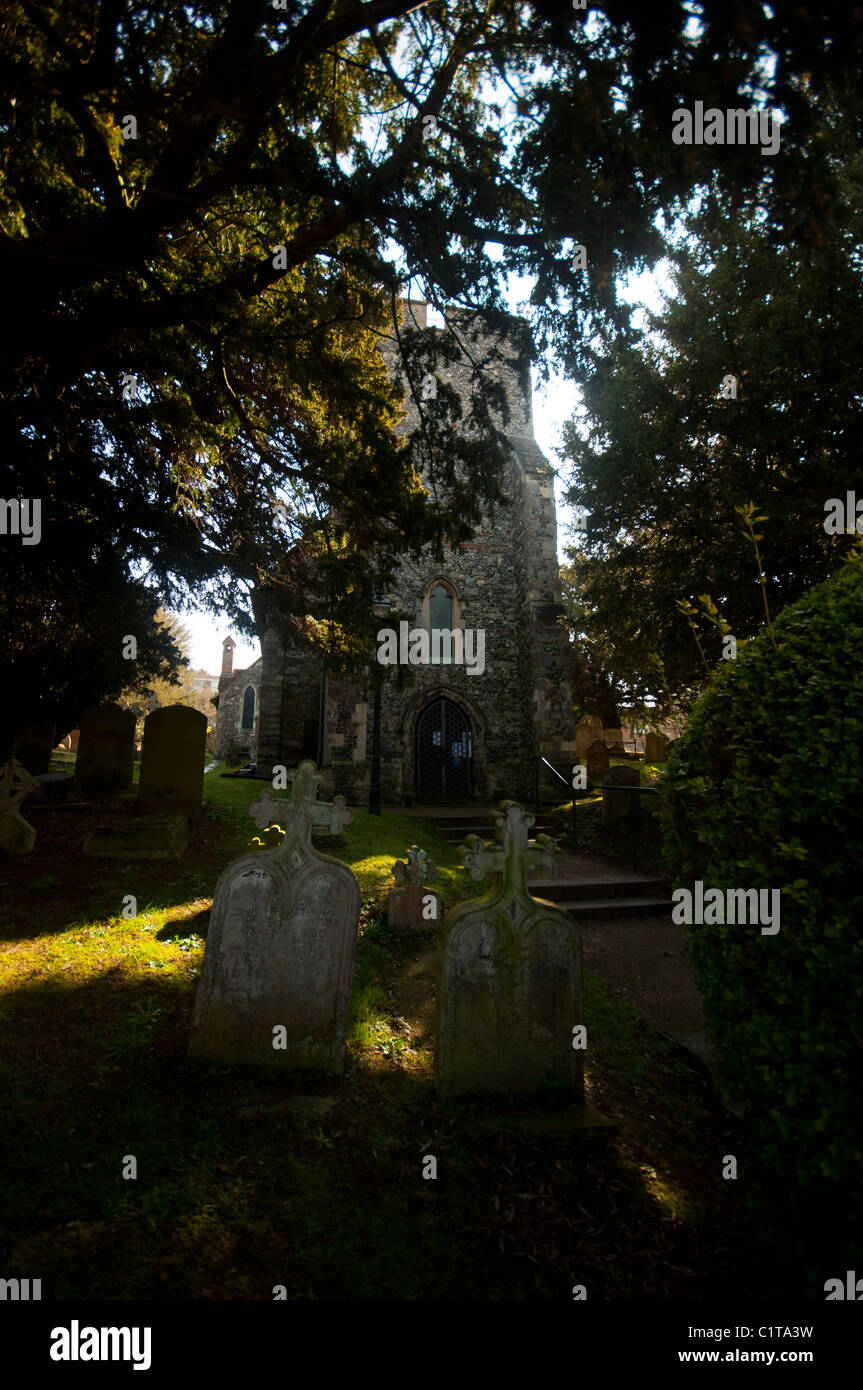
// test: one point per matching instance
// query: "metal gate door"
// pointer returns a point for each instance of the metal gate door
(443, 754)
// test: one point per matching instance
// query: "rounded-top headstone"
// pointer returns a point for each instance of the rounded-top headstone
(105, 748)
(172, 761)
(655, 748)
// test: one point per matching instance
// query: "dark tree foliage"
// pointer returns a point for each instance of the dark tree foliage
(167, 376)
(666, 460)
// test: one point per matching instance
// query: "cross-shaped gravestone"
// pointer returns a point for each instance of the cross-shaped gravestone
(412, 906)
(512, 857)
(15, 783)
(302, 812)
(509, 987)
(17, 836)
(417, 870)
(276, 980)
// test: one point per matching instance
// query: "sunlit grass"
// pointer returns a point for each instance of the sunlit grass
(94, 948)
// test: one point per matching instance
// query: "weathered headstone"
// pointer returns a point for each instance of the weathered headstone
(104, 761)
(617, 804)
(172, 761)
(35, 744)
(596, 760)
(613, 739)
(655, 748)
(587, 731)
(276, 980)
(509, 990)
(17, 836)
(413, 906)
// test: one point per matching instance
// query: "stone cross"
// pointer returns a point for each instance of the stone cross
(303, 812)
(17, 836)
(412, 906)
(512, 856)
(419, 868)
(509, 996)
(15, 783)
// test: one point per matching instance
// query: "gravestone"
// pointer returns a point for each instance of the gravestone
(280, 945)
(655, 748)
(413, 906)
(613, 740)
(587, 731)
(596, 760)
(509, 989)
(34, 745)
(172, 761)
(104, 761)
(618, 804)
(17, 836)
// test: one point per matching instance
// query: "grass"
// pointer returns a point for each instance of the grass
(332, 1204)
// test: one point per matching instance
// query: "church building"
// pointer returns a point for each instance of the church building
(464, 730)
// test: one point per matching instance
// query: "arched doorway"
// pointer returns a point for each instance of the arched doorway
(444, 750)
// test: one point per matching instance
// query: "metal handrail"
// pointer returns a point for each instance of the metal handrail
(591, 787)
(620, 787)
(542, 759)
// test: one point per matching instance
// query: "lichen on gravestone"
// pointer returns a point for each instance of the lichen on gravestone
(509, 989)
(278, 962)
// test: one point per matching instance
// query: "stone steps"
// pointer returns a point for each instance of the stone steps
(594, 894)
(610, 908)
(574, 886)
(454, 834)
(597, 898)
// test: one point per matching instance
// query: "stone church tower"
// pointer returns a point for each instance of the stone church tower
(452, 736)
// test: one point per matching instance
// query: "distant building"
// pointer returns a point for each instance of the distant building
(236, 704)
(201, 680)
(454, 734)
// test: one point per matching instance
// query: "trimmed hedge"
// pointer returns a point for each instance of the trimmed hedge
(765, 790)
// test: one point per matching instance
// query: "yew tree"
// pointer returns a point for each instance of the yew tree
(206, 213)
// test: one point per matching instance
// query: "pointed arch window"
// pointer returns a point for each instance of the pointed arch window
(248, 717)
(440, 607)
(441, 613)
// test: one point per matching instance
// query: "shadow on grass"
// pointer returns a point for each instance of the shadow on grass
(332, 1205)
(56, 889)
(181, 928)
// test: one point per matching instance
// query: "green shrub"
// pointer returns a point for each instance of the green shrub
(765, 790)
